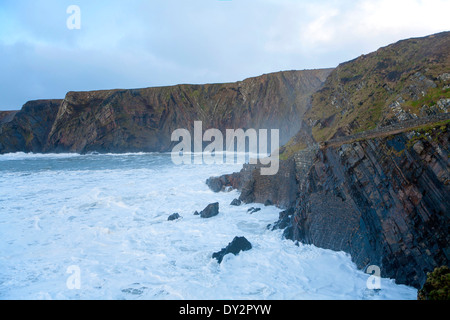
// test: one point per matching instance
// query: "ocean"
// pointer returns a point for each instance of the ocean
(96, 226)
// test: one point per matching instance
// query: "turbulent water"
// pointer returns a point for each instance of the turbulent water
(102, 220)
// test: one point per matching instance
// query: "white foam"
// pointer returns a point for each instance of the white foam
(113, 225)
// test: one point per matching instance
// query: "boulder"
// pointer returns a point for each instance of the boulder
(236, 202)
(237, 245)
(215, 184)
(174, 216)
(210, 211)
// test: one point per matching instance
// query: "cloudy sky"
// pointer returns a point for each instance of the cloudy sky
(137, 43)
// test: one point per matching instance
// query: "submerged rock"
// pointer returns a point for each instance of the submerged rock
(210, 211)
(253, 210)
(237, 245)
(236, 202)
(174, 216)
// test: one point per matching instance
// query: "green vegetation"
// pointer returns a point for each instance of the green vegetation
(358, 94)
(437, 285)
(292, 147)
(430, 131)
(430, 99)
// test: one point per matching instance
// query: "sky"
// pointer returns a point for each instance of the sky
(137, 43)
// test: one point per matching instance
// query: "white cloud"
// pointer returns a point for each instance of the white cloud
(145, 43)
(329, 25)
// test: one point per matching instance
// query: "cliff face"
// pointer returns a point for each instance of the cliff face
(383, 200)
(27, 130)
(405, 80)
(370, 167)
(144, 119)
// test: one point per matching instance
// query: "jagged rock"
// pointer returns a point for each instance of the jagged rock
(226, 182)
(349, 107)
(215, 184)
(143, 119)
(284, 219)
(174, 216)
(268, 203)
(27, 130)
(210, 211)
(385, 211)
(253, 210)
(237, 245)
(236, 202)
(280, 188)
(196, 213)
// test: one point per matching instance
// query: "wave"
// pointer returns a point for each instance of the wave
(31, 155)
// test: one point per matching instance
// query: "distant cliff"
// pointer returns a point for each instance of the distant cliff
(27, 130)
(144, 119)
(369, 172)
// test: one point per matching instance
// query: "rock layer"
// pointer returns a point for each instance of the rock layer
(140, 120)
(370, 176)
(27, 130)
(382, 200)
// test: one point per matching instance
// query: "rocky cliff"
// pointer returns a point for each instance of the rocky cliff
(405, 80)
(369, 173)
(27, 130)
(144, 119)
(383, 200)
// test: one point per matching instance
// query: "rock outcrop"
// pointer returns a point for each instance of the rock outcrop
(174, 216)
(27, 130)
(402, 81)
(237, 245)
(371, 174)
(210, 211)
(280, 189)
(142, 120)
(382, 200)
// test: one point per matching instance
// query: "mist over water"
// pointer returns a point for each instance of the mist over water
(107, 215)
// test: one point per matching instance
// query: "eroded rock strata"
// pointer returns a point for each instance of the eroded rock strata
(140, 120)
(369, 172)
(382, 200)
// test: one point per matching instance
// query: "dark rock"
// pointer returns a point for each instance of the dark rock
(174, 216)
(268, 203)
(388, 211)
(215, 184)
(281, 188)
(285, 219)
(237, 245)
(253, 210)
(196, 213)
(27, 130)
(134, 120)
(210, 211)
(236, 202)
